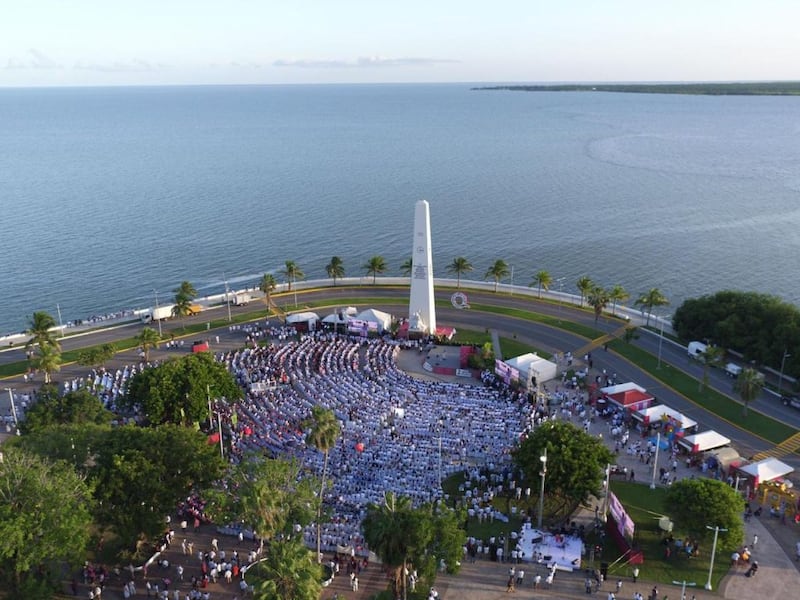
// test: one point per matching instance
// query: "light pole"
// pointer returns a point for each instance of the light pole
(227, 298)
(560, 282)
(660, 341)
(783, 364)
(157, 313)
(543, 474)
(60, 322)
(655, 461)
(13, 407)
(608, 491)
(716, 531)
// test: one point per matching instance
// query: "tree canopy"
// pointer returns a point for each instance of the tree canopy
(760, 326)
(292, 273)
(288, 570)
(701, 502)
(178, 390)
(44, 520)
(73, 408)
(335, 268)
(575, 462)
(404, 536)
(651, 299)
(543, 280)
(459, 266)
(499, 270)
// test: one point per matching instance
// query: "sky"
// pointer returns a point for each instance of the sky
(173, 42)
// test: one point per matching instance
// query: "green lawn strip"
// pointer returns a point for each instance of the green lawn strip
(513, 347)
(709, 399)
(471, 337)
(576, 328)
(645, 506)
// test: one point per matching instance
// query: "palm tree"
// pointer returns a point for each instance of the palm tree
(324, 430)
(543, 279)
(335, 269)
(406, 266)
(650, 300)
(48, 360)
(712, 357)
(287, 571)
(459, 266)
(388, 532)
(375, 266)
(291, 271)
(147, 340)
(584, 285)
(267, 284)
(748, 385)
(618, 294)
(185, 289)
(497, 271)
(40, 330)
(598, 299)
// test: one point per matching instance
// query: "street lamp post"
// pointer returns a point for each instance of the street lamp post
(660, 341)
(543, 474)
(227, 298)
(716, 531)
(608, 491)
(560, 282)
(157, 313)
(13, 407)
(783, 364)
(655, 461)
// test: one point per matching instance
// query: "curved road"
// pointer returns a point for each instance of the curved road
(545, 337)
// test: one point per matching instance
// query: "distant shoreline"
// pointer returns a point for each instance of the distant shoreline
(778, 88)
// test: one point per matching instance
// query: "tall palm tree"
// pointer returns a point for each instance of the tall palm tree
(184, 296)
(287, 571)
(406, 266)
(543, 280)
(459, 266)
(335, 269)
(598, 299)
(48, 360)
(499, 270)
(375, 266)
(267, 284)
(618, 294)
(649, 300)
(584, 285)
(324, 430)
(40, 329)
(712, 357)
(147, 339)
(292, 272)
(748, 385)
(186, 289)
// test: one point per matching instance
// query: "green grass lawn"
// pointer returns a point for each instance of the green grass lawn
(645, 506)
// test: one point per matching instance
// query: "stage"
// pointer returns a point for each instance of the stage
(544, 548)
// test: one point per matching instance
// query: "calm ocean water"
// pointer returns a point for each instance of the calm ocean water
(107, 194)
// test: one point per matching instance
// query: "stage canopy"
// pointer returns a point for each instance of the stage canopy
(628, 395)
(662, 412)
(532, 365)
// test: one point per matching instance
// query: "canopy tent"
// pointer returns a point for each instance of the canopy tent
(700, 442)
(532, 365)
(304, 321)
(628, 395)
(723, 458)
(663, 413)
(381, 319)
(766, 470)
(339, 317)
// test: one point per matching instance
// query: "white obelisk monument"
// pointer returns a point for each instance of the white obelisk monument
(421, 308)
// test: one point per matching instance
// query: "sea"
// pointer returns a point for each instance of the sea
(109, 195)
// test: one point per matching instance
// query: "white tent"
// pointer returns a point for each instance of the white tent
(371, 315)
(303, 320)
(662, 412)
(700, 442)
(766, 470)
(532, 365)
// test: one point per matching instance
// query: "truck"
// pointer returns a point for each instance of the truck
(195, 309)
(732, 370)
(792, 401)
(696, 350)
(239, 298)
(157, 314)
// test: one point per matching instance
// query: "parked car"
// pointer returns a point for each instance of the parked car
(792, 401)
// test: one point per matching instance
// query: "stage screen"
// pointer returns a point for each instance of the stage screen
(505, 372)
(621, 518)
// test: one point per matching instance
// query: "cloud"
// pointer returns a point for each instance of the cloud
(363, 62)
(34, 59)
(136, 65)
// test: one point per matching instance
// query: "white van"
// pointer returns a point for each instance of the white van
(696, 350)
